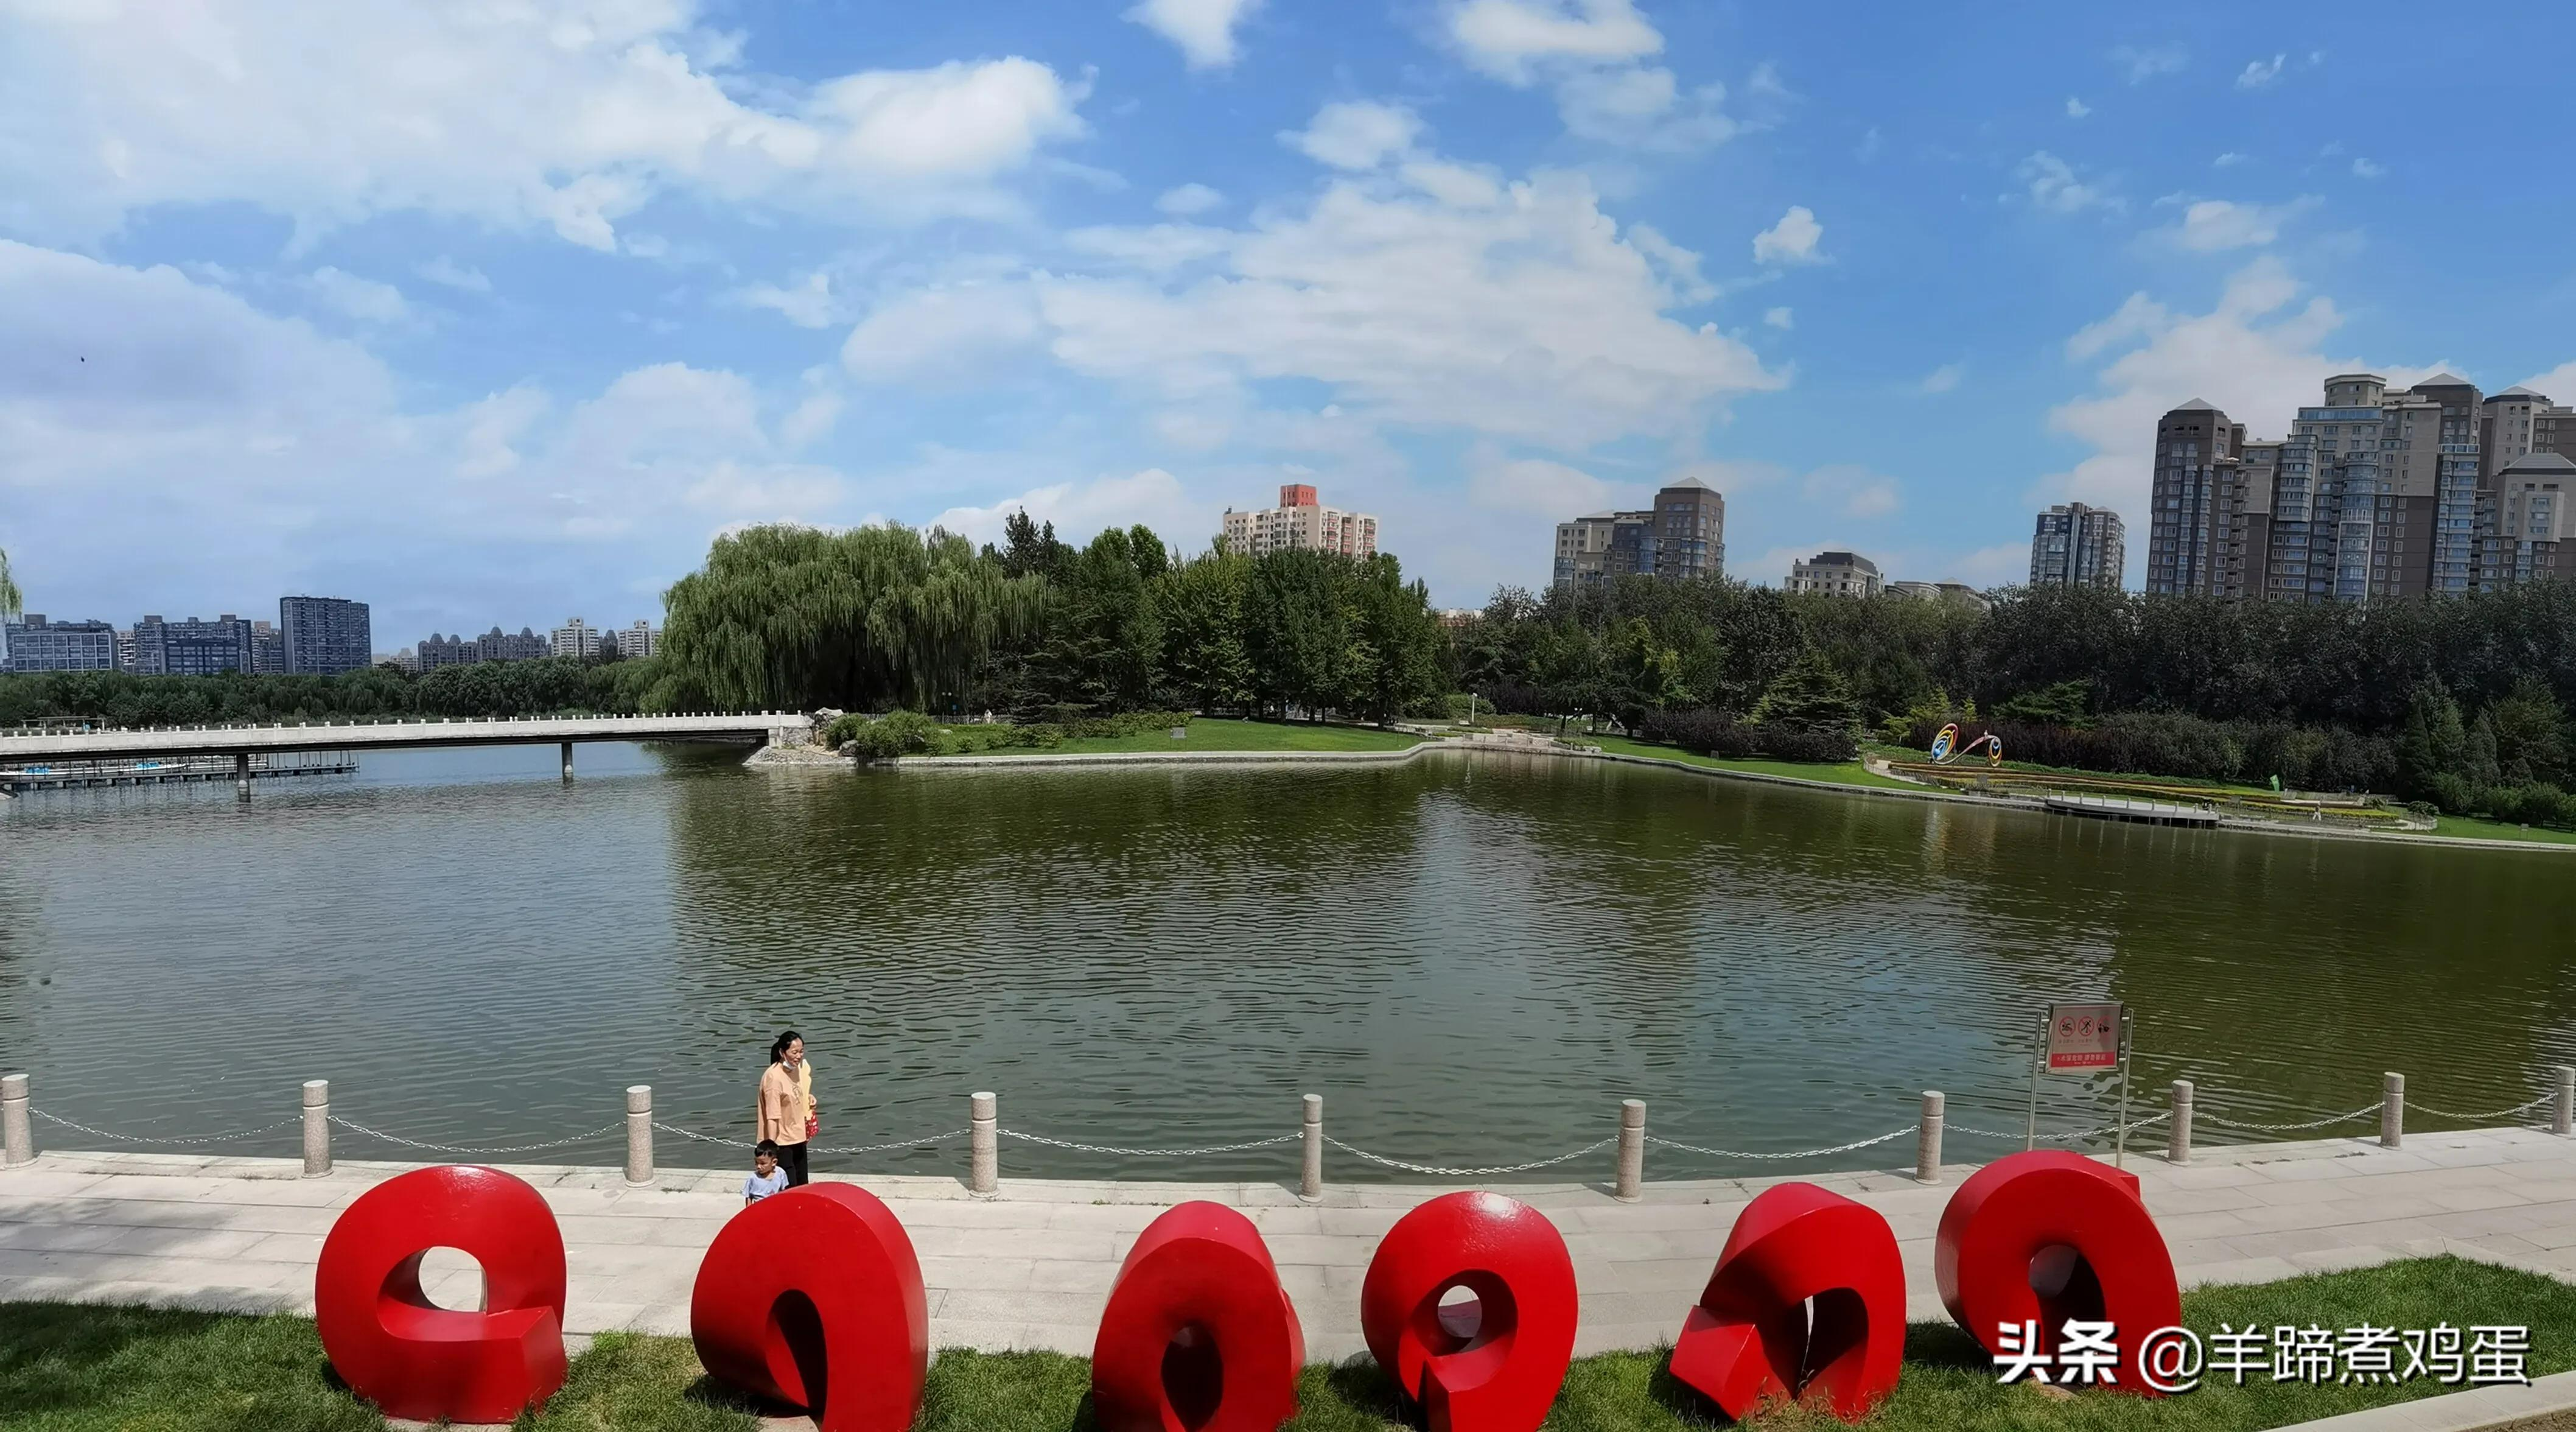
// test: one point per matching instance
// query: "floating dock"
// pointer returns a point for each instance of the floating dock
(2137, 811)
(88, 775)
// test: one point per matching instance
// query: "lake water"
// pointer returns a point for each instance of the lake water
(1472, 958)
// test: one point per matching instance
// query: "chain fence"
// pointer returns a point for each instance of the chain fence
(2202, 1117)
(1436, 1171)
(2522, 1108)
(1663, 1143)
(148, 1139)
(1149, 1153)
(399, 1141)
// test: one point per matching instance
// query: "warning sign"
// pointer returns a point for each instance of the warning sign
(2083, 1038)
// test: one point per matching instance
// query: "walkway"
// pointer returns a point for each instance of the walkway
(1032, 1268)
(774, 727)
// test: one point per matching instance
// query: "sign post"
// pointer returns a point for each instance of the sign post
(2082, 1039)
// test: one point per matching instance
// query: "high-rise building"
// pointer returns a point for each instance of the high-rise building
(575, 639)
(267, 649)
(639, 640)
(192, 647)
(1300, 521)
(2190, 498)
(125, 650)
(34, 644)
(2532, 520)
(324, 635)
(2078, 546)
(494, 645)
(1681, 537)
(1835, 574)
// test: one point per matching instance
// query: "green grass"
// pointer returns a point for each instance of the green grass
(2469, 826)
(1840, 773)
(1212, 734)
(66, 1368)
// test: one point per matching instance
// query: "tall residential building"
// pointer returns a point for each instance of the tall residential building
(2533, 523)
(125, 650)
(191, 647)
(35, 644)
(325, 635)
(1682, 536)
(267, 649)
(494, 645)
(1300, 521)
(1835, 574)
(575, 639)
(2189, 501)
(641, 639)
(2078, 546)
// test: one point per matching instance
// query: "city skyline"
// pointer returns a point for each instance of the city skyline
(1473, 264)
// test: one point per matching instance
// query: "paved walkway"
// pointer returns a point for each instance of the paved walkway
(1032, 1267)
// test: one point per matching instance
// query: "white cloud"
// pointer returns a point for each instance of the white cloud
(1852, 491)
(1189, 200)
(363, 299)
(1508, 38)
(1790, 241)
(1081, 510)
(1356, 134)
(2258, 73)
(1941, 380)
(2559, 382)
(2142, 64)
(942, 334)
(2366, 169)
(1642, 106)
(1779, 318)
(1204, 29)
(569, 114)
(1534, 486)
(2209, 225)
(2076, 108)
(2258, 355)
(446, 271)
(808, 304)
(2055, 189)
(2229, 160)
(291, 460)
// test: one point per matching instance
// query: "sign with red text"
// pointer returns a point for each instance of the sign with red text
(2083, 1038)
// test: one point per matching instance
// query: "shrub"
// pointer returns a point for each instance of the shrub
(897, 733)
(1723, 735)
(843, 729)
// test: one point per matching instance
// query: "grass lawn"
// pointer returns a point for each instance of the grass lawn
(1841, 773)
(2497, 830)
(66, 1368)
(1212, 734)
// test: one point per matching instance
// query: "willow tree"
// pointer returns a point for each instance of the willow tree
(792, 618)
(10, 596)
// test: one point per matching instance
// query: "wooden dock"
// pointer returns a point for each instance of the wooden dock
(91, 775)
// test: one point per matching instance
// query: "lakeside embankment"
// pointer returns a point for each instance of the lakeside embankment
(1029, 1269)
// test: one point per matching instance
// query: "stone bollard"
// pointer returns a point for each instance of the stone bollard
(241, 775)
(567, 760)
(639, 1133)
(2562, 1120)
(2392, 1110)
(983, 1142)
(1927, 1139)
(1310, 1182)
(1632, 1148)
(2178, 1138)
(317, 1127)
(17, 1136)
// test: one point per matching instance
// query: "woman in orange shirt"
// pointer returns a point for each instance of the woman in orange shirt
(786, 1109)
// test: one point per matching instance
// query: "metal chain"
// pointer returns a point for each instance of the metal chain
(145, 1139)
(1149, 1153)
(2288, 1128)
(2492, 1114)
(2134, 1126)
(693, 1134)
(1795, 1154)
(355, 1127)
(1438, 1172)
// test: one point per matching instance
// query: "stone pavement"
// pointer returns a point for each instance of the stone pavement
(1032, 1267)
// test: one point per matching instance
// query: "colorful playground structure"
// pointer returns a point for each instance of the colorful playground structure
(1946, 748)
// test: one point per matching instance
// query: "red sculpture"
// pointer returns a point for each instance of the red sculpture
(1198, 1334)
(2046, 1236)
(839, 1327)
(412, 1359)
(1749, 1342)
(1500, 1373)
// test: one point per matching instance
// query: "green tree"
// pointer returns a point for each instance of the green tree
(10, 597)
(2480, 765)
(2530, 734)
(1199, 605)
(1810, 696)
(2432, 744)
(1297, 629)
(1396, 640)
(2067, 703)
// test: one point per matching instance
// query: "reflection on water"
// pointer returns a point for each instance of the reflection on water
(1472, 959)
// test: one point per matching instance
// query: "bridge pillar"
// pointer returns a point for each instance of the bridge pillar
(241, 775)
(567, 755)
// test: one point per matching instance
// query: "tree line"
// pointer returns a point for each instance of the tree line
(493, 688)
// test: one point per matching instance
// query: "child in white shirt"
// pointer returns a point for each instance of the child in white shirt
(767, 1177)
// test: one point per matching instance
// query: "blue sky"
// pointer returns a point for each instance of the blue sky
(498, 310)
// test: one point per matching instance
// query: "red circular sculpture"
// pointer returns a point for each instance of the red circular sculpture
(1198, 1335)
(1749, 1341)
(1503, 1375)
(814, 1297)
(413, 1359)
(2078, 1230)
